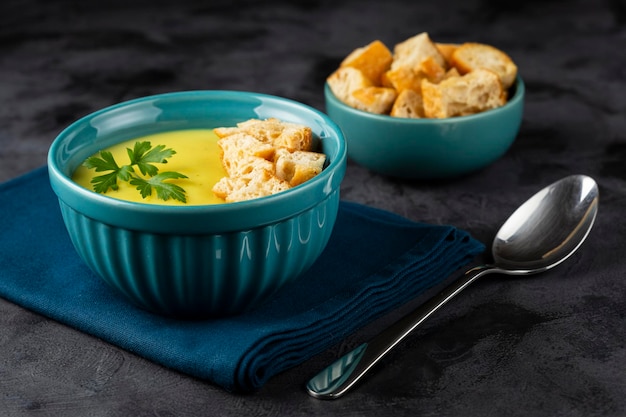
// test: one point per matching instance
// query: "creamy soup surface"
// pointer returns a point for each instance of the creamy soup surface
(197, 156)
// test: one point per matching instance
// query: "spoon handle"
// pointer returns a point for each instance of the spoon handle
(335, 380)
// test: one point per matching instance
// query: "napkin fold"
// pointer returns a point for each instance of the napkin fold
(375, 261)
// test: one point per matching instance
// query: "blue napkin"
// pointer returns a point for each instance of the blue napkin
(375, 261)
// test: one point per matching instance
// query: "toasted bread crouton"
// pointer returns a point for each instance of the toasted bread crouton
(413, 60)
(446, 49)
(345, 80)
(356, 90)
(403, 78)
(222, 132)
(258, 184)
(432, 70)
(452, 72)
(264, 130)
(411, 52)
(240, 150)
(373, 60)
(254, 151)
(409, 104)
(238, 165)
(294, 137)
(279, 133)
(246, 144)
(376, 100)
(471, 56)
(474, 92)
(385, 81)
(417, 62)
(298, 166)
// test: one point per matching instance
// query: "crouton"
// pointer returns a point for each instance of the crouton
(477, 91)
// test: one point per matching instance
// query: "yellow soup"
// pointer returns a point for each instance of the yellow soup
(197, 157)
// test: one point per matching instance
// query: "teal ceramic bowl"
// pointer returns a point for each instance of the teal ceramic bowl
(422, 149)
(196, 261)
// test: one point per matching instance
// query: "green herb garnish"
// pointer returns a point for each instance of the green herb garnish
(143, 156)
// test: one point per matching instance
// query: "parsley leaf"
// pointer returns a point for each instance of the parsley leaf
(144, 156)
(106, 162)
(102, 183)
(125, 172)
(164, 190)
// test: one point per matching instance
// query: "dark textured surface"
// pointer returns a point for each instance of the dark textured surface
(552, 345)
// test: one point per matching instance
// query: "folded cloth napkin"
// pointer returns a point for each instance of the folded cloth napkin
(375, 261)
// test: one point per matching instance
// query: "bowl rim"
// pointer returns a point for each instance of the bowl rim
(518, 95)
(304, 196)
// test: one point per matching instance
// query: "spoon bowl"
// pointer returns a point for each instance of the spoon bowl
(549, 227)
(543, 232)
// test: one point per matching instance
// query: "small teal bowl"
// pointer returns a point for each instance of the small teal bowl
(196, 261)
(422, 149)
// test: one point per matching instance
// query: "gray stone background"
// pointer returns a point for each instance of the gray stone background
(547, 346)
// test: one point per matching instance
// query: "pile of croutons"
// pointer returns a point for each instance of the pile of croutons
(424, 79)
(264, 157)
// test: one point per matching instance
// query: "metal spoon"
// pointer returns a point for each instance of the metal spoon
(540, 234)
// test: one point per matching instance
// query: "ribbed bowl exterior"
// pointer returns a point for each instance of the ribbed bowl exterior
(202, 275)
